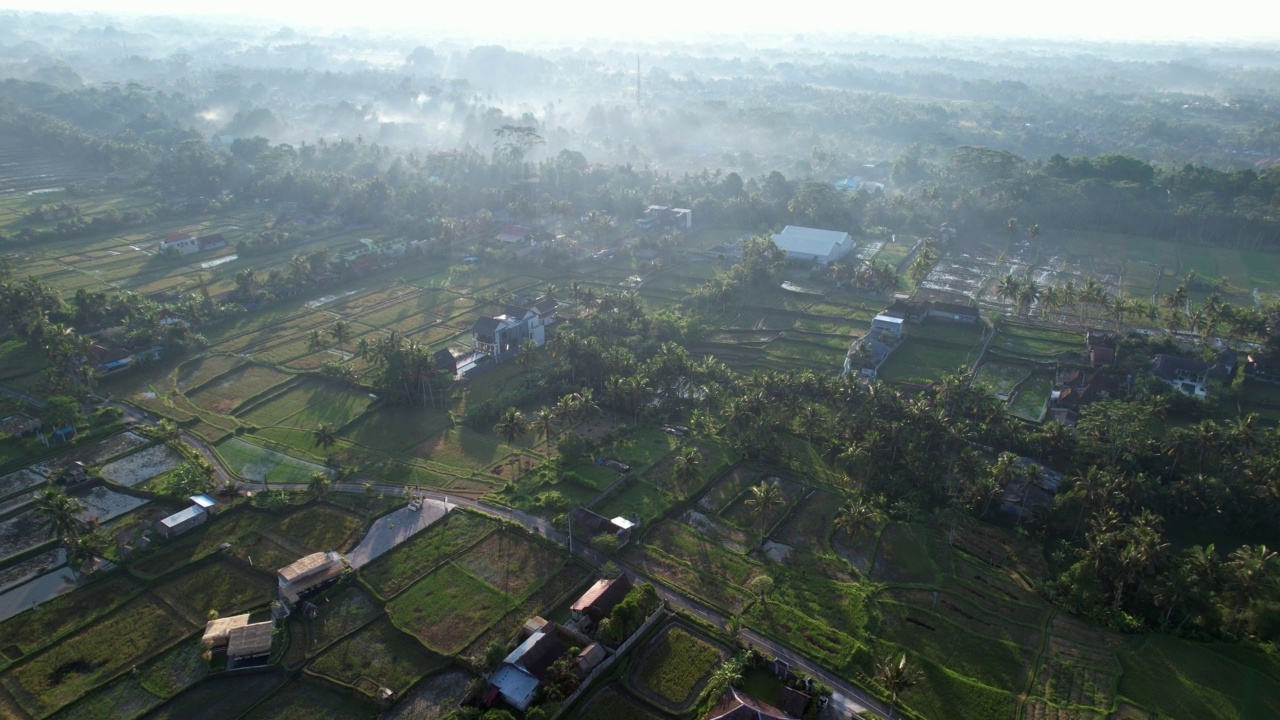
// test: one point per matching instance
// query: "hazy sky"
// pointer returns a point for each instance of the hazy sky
(1102, 19)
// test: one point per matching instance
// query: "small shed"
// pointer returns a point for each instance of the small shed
(204, 501)
(887, 323)
(250, 641)
(180, 522)
(217, 633)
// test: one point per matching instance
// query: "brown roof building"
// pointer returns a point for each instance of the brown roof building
(737, 705)
(250, 641)
(599, 600)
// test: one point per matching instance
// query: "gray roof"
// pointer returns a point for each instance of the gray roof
(810, 241)
(179, 518)
(486, 325)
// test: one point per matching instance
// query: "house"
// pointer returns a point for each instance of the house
(953, 312)
(369, 247)
(445, 362)
(250, 641)
(586, 524)
(517, 680)
(658, 219)
(1191, 376)
(888, 324)
(1081, 387)
(813, 245)
(1031, 491)
(598, 601)
(211, 242)
(1102, 348)
(502, 335)
(513, 234)
(737, 705)
(793, 702)
(907, 309)
(309, 573)
(179, 243)
(182, 521)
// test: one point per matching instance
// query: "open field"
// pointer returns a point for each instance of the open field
(217, 586)
(400, 568)
(320, 527)
(612, 703)
(304, 699)
(31, 630)
(378, 656)
(447, 609)
(509, 563)
(674, 665)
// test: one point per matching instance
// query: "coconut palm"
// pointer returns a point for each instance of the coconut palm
(895, 675)
(686, 468)
(340, 331)
(544, 421)
(854, 516)
(766, 496)
(315, 340)
(318, 483)
(323, 436)
(511, 425)
(61, 510)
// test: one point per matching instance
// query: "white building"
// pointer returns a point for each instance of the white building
(810, 244)
(887, 323)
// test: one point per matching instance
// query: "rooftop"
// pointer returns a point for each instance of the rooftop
(308, 565)
(218, 631)
(250, 640)
(178, 518)
(809, 241)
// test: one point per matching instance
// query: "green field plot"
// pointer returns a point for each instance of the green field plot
(124, 698)
(175, 670)
(675, 664)
(1032, 397)
(339, 612)
(260, 333)
(812, 351)
(1176, 678)
(830, 646)
(808, 526)
(699, 583)
(727, 487)
(60, 674)
(18, 359)
(264, 554)
(447, 609)
(903, 556)
(1035, 344)
(509, 563)
(200, 371)
(224, 393)
(944, 694)
(29, 631)
(306, 404)
(305, 699)
(970, 616)
(378, 656)
(258, 464)
(465, 449)
(639, 498)
(396, 570)
(219, 698)
(1000, 378)
(219, 586)
(320, 528)
(230, 527)
(681, 541)
(613, 703)
(1075, 674)
(921, 361)
(393, 429)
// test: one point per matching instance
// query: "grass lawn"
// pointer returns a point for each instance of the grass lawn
(307, 404)
(257, 464)
(226, 392)
(401, 567)
(641, 448)
(1031, 398)
(378, 656)
(921, 361)
(305, 699)
(320, 528)
(1000, 378)
(943, 694)
(675, 665)
(221, 586)
(699, 583)
(340, 610)
(31, 630)
(904, 557)
(727, 487)
(681, 541)
(447, 609)
(466, 449)
(1036, 344)
(74, 666)
(639, 498)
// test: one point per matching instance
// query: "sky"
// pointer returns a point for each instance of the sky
(1223, 20)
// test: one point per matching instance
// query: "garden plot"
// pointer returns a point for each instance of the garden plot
(115, 445)
(338, 613)
(732, 538)
(447, 609)
(311, 700)
(378, 656)
(1000, 378)
(216, 586)
(141, 466)
(1032, 398)
(258, 464)
(434, 698)
(397, 569)
(810, 523)
(559, 588)
(20, 534)
(510, 564)
(307, 404)
(16, 482)
(320, 528)
(743, 515)
(673, 667)
(102, 504)
(727, 488)
(200, 371)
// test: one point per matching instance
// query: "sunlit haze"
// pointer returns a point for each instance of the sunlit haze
(1096, 19)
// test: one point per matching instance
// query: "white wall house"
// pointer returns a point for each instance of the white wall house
(813, 245)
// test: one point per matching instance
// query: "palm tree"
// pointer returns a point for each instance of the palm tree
(1009, 288)
(895, 675)
(854, 516)
(323, 436)
(60, 509)
(766, 497)
(686, 469)
(511, 425)
(808, 419)
(1249, 569)
(319, 483)
(340, 331)
(544, 421)
(315, 340)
